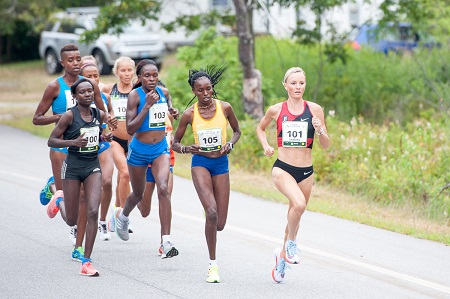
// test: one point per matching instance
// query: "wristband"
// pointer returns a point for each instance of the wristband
(320, 132)
(231, 145)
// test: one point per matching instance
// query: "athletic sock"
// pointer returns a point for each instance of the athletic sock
(59, 200)
(212, 263)
(165, 238)
(85, 260)
(122, 216)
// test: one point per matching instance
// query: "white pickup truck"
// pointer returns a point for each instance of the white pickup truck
(136, 41)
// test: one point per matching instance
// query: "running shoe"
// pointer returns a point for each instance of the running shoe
(168, 250)
(103, 232)
(52, 208)
(121, 225)
(88, 270)
(213, 274)
(130, 229)
(46, 194)
(78, 254)
(291, 252)
(280, 266)
(112, 224)
(73, 234)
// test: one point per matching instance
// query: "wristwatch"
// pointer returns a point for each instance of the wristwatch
(231, 145)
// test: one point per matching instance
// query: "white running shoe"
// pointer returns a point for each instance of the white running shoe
(168, 250)
(112, 224)
(291, 252)
(280, 266)
(73, 234)
(103, 231)
(121, 225)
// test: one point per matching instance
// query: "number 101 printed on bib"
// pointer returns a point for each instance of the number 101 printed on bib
(294, 133)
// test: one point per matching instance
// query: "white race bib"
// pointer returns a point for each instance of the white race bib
(210, 140)
(120, 108)
(295, 133)
(93, 136)
(157, 115)
(70, 101)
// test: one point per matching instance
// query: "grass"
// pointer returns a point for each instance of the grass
(22, 86)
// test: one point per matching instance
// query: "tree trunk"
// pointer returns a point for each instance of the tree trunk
(251, 89)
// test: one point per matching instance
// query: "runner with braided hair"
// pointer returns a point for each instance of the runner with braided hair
(208, 118)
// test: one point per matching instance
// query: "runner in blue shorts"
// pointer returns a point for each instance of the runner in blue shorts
(147, 109)
(58, 97)
(209, 118)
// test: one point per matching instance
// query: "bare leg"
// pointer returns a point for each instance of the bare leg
(120, 160)
(161, 170)
(203, 183)
(298, 196)
(93, 196)
(107, 166)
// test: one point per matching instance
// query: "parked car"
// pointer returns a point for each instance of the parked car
(395, 38)
(137, 41)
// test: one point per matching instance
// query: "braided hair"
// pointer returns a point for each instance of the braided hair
(212, 72)
(139, 68)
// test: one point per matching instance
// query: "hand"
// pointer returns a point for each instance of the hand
(81, 141)
(226, 149)
(317, 124)
(112, 122)
(108, 137)
(268, 151)
(193, 149)
(174, 112)
(151, 98)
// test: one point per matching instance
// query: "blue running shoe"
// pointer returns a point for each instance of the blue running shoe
(78, 254)
(46, 194)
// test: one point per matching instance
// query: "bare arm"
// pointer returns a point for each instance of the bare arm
(50, 94)
(134, 119)
(173, 111)
(318, 122)
(270, 115)
(107, 88)
(232, 119)
(55, 139)
(186, 118)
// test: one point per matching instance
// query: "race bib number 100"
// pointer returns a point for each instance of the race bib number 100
(93, 136)
(295, 133)
(210, 140)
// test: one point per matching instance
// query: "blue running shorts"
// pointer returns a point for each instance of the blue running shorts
(215, 166)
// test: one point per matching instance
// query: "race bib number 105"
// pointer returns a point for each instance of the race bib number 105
(210, 140)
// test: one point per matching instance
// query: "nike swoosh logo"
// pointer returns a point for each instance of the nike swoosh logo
(301, 119)
(306, 173)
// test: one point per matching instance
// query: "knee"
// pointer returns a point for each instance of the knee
(92, 214)
(107, 184)
(211, 216)
(163, 192)
(220, 227)
(71, 220)
(125, 176)
(145, 211)
(299, 208)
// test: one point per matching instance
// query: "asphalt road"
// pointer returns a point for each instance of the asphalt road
(339, 258)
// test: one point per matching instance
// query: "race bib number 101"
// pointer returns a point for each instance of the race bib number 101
(295, 133)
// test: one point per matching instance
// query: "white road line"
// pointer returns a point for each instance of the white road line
(21, 176)
(253, 234)
(381, 270)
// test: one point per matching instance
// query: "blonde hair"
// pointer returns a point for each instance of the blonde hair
(91, 59)
(122, 60)
(291, 71)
